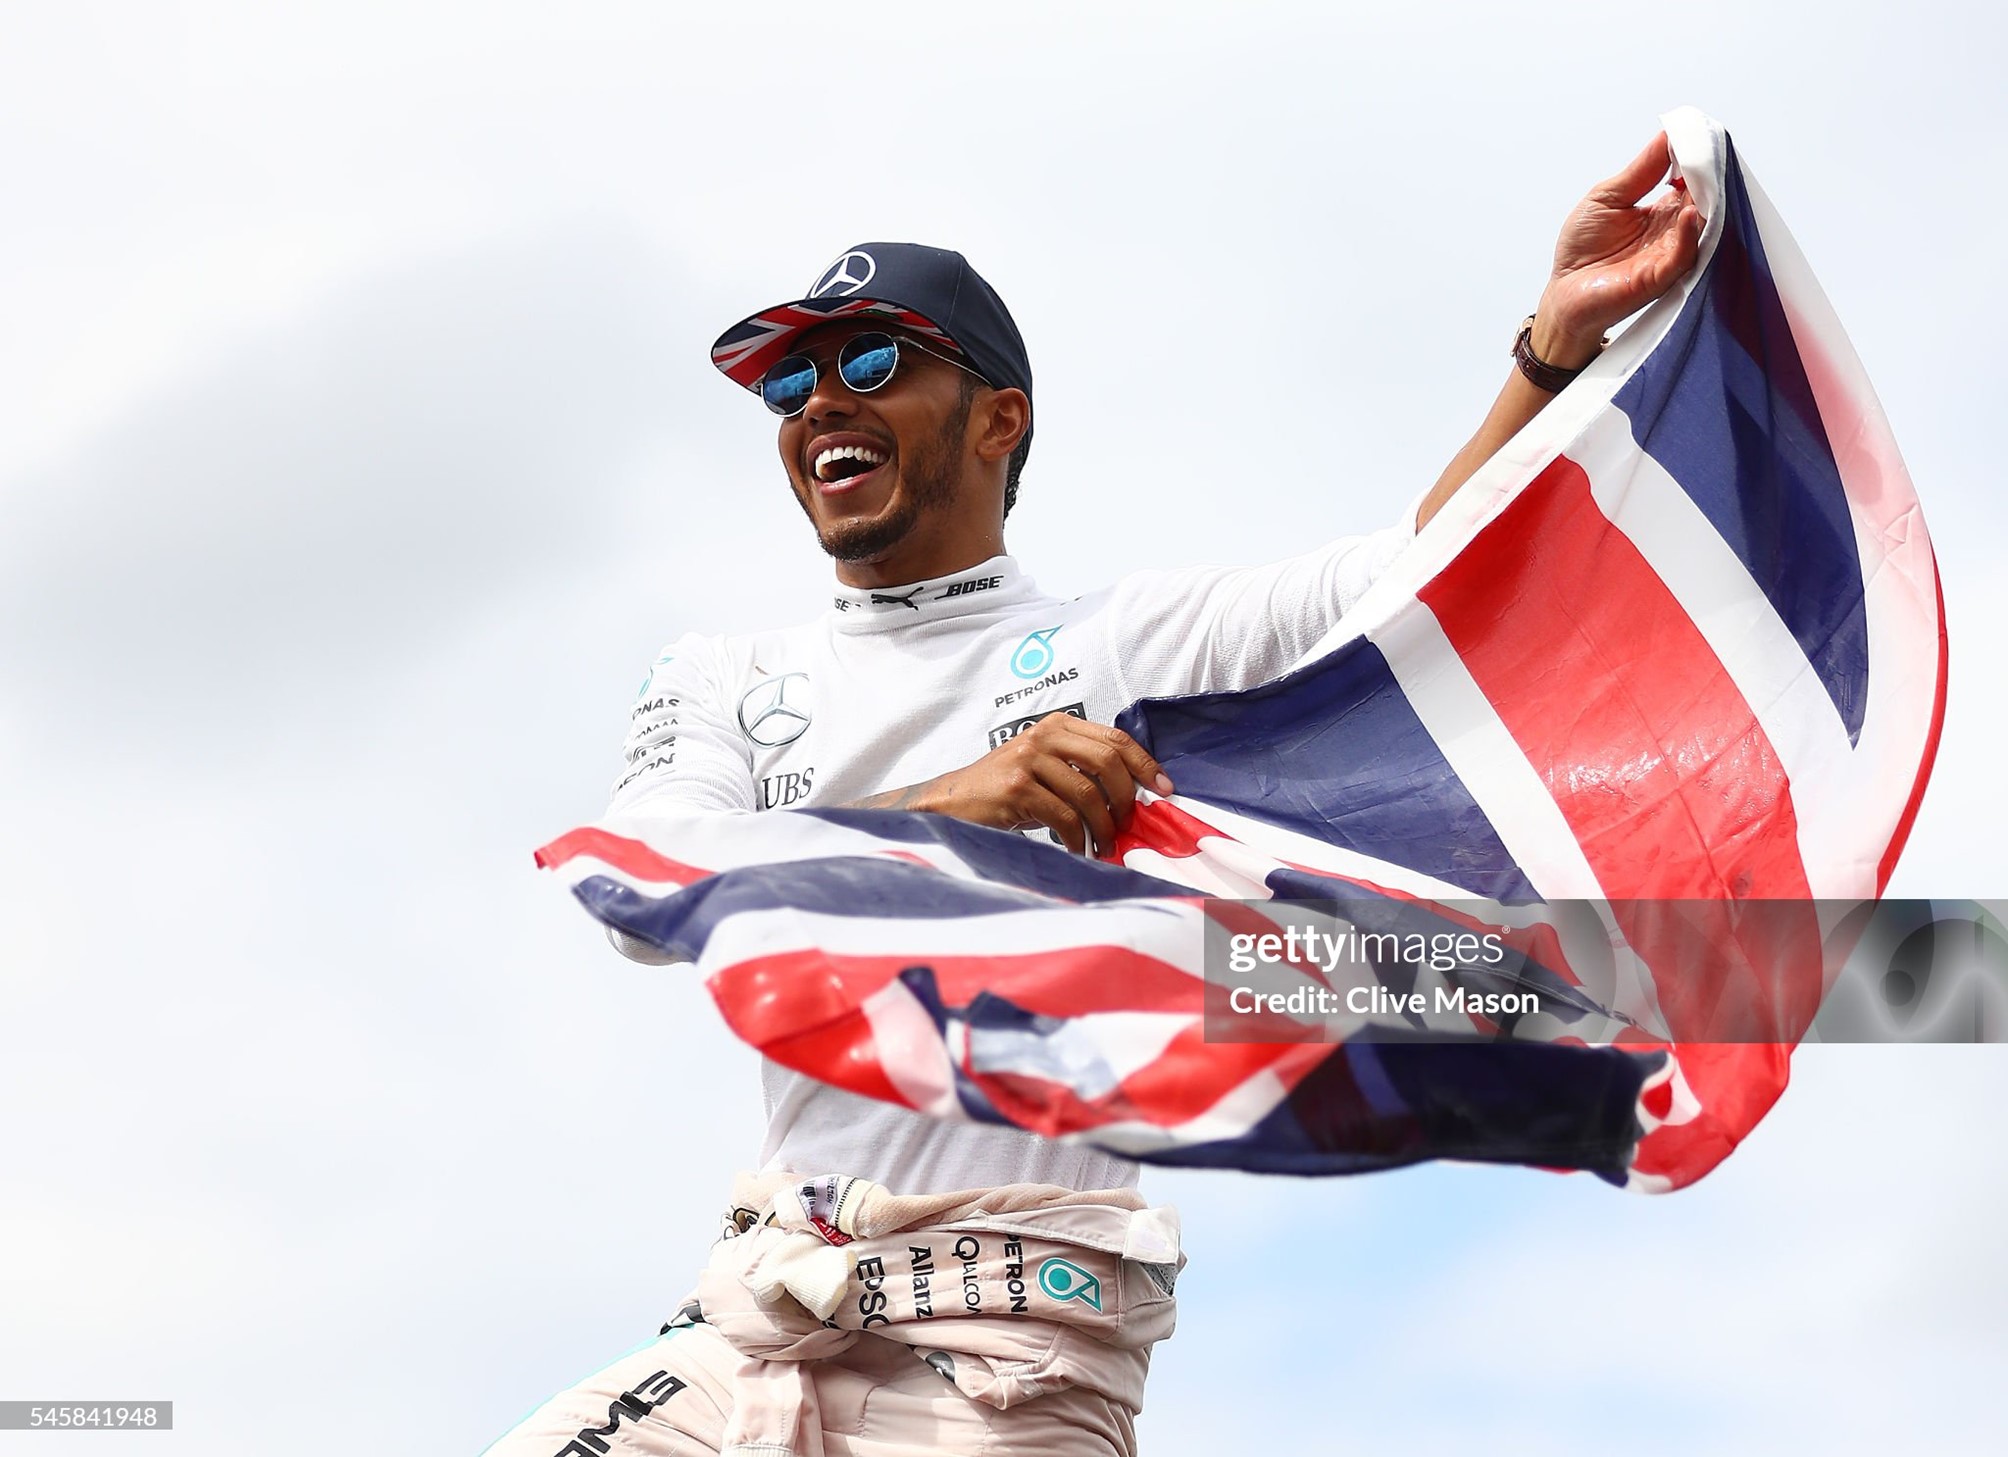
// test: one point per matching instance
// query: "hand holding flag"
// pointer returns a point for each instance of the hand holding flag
(1614, 257)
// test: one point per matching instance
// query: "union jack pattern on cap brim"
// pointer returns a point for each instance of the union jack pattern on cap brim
(749, 348)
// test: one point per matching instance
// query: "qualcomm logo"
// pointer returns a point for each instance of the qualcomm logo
(1065, 1280)
(845, 276)
(1034, 655)
(776, 712)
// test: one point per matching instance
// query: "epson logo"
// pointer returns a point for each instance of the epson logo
(1005, 732)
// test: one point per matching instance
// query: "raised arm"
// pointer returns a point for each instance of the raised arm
(1613, 258)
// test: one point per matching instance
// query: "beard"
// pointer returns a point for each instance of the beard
(927, 483)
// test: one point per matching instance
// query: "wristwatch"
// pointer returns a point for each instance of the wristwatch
(1541, 374)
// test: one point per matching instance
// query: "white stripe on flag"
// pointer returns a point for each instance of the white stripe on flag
(910, 1050)
(1476, 744)
(1090, 1054)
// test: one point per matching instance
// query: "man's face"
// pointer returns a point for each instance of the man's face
(869, 468)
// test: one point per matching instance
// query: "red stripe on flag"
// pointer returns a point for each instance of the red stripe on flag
(773, 996)
(1163, 827)
(630, 856)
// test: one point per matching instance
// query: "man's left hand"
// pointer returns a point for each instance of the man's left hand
(1615, 257)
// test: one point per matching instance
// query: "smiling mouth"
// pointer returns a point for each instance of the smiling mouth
(845, 467)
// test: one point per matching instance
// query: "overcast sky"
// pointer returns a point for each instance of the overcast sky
(359, 449)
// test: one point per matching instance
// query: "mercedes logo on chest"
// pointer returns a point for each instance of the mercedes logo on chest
(776, 711)
(845, 276)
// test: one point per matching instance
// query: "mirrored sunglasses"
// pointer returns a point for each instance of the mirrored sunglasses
(864, 364)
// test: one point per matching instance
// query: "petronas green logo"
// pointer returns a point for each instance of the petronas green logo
(1065, 1280)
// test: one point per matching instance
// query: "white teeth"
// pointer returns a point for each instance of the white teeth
(871, 458)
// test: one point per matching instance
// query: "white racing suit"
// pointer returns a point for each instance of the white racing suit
(838, 1320)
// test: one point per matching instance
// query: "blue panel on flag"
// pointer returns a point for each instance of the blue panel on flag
(1724, 405)
(1334, 751)
(1017, 872)
(1382, 1104)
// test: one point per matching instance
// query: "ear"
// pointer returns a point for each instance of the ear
(1002, 420)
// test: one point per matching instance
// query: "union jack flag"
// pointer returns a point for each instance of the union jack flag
(1678, 648)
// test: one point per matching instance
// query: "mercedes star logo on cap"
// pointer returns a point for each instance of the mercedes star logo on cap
(845, 276)
(776, 712)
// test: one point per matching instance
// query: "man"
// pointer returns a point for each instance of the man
(873, 1295)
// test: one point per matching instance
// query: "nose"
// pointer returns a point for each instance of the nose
(831, 398)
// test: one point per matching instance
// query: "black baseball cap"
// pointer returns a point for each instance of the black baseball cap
(931, 291)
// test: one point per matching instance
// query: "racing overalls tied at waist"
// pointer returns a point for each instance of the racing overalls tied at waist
(1011, 1293)
(836, 1319)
